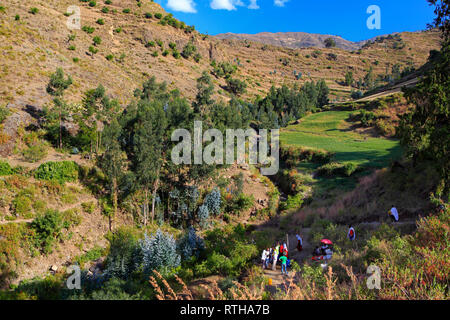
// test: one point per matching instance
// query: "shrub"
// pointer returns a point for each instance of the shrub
(197, 57)
(159, 252)
(64, 171)
(336, 168)
(5, 168)
(176, 54)
(165, 53)
(75, 59)
(158, 15)
(105, 9)
(122, 259)
(172, 45)
(148, 15)
(223, 69)
(92, 3)
(150, 44)
(17, 17)
(101, 22)
(203, 216)
(190, 244)
(213, 201)
(109, 57)
(97, 40)
(118, 30)
(155, 54)
(48, 229)
(108, 2)
(188, 50)
(88, 29)
(126, 10)
(34, 10)
(22, 205)
(72, 48)
(4, 113)
(236, 86)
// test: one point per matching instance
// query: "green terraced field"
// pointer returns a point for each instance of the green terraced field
(330, 131)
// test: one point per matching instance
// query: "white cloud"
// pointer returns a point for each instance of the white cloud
(182, 5)
(279, 3)
(225, 4)
(253, 5)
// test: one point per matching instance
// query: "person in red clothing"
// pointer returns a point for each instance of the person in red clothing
(351, 233)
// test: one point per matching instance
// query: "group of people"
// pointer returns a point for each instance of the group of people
(280, 252)
(271, 256)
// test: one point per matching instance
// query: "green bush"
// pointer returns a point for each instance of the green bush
(336, 168)
(88, 29)
(97, 40)
(34, 10)
(4, 113)
(158, 15)
(47, 229)
(188, 50)
(92, 3)
(126, 10)
(175, 54)
(5, 168)
(236, 86)
(64, 171)
(148, 15)
(101, 22)
(21, 206)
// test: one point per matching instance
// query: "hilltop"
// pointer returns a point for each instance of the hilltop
(294, 40)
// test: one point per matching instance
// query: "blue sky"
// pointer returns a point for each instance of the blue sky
(346, 18)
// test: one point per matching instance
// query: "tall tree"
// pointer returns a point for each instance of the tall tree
(56, 87)
(113, 163)
(426, 130)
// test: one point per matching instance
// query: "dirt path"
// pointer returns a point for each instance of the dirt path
(16, 221)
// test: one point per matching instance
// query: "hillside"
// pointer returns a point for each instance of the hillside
(88, 175)
(35, 44)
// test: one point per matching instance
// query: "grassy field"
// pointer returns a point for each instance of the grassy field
(330, 131)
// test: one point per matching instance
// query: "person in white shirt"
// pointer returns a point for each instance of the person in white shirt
(264, 256)
(394, 214)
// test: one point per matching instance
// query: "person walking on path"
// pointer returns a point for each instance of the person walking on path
(394, 214)
(264, 255)
(283, 260)
(299, 242)
(276, 252)
(351, 235)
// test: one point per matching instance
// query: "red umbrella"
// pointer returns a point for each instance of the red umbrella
(326, 241)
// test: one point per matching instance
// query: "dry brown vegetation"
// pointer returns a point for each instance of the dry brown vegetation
(33, 47)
